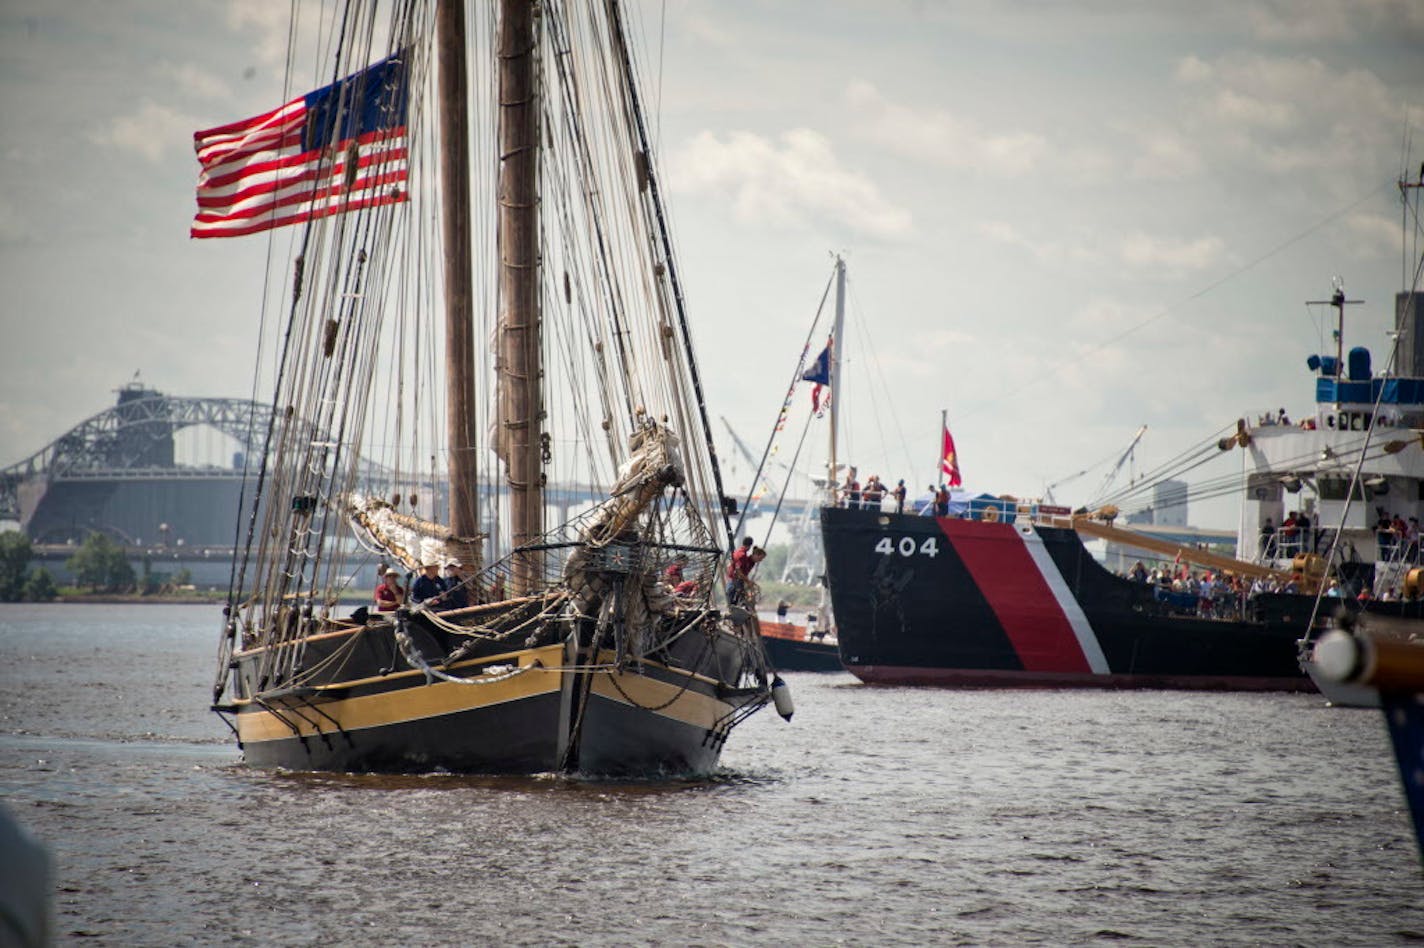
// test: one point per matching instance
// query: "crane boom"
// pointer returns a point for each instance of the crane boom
(1187, 553)
(1123, 459)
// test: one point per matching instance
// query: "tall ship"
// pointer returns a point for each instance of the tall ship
(502, 638)
(1007, 593)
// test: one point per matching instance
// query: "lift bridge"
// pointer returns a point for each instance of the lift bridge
(115, 473)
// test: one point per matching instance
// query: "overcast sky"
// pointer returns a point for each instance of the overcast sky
(1062, 221)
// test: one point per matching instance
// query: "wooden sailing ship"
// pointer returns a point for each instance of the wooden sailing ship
(559, 648)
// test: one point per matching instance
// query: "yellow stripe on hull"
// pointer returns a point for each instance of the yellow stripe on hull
(413, 703)
(689, 706)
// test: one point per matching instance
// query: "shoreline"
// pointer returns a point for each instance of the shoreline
(130, 599)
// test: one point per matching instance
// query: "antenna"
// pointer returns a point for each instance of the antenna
(1337, 300)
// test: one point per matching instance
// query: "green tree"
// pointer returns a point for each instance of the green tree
(774, 563)
(101, 565)
(40, 586)
(14, 562)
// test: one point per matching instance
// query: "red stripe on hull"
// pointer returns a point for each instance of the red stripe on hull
(981, 678)
(1017, 593)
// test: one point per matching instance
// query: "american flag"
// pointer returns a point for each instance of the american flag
(340, 148)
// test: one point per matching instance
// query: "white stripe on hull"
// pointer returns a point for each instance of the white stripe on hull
(1087, 640)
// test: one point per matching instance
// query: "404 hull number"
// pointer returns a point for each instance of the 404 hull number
(908, 546)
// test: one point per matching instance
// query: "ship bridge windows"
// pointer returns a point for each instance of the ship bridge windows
(1335, 488)
(1349, 420)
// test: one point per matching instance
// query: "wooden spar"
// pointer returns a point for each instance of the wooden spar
(460, 427)
(1189, 554)
(520, 369)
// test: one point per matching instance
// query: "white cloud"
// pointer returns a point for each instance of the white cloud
(271, 22)
(1373, 234)
(797, 179)
(149, 132)
(1078, 251)
(1166, 156)
(1300, 20)
(940, 138)
(1169, 254)
(1287, 114)
(194, 79)
(1315, 21)
(14, 228)
(1160, 256)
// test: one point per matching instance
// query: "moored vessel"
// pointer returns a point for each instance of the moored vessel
(1008, 594)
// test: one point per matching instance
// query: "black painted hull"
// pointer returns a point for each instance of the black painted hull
(941, 601)
(789, 654)
(534, 710)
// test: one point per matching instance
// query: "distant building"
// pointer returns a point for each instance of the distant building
(1169, 500)
(1168, 507)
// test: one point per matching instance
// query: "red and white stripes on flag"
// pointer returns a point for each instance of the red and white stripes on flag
(340, 148)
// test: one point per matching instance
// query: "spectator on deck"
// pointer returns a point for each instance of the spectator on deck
(1384, 534)
(739, 570)
(427, 586)
(452, 586)
(389, 594)
(873, 493)
(899, 494)
(1268, 538)
(1290, 535)
(1307, 537)
(850, 491)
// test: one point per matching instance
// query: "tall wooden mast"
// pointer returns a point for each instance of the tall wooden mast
(520, 368)
(460, 427)
(837, 393)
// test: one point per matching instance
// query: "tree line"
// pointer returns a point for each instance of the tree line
(99, 565)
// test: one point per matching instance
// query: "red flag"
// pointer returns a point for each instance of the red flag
(948, 460)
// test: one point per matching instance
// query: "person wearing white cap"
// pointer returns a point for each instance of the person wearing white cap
(427, 586)
(453, 585)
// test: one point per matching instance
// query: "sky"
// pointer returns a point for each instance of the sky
(1061, 222)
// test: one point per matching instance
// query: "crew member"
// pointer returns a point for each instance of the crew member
(389, 593)
(739, 570)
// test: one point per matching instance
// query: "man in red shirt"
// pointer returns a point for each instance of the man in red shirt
(738, 570)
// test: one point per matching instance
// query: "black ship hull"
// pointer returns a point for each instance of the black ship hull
(950, 602)
(790, 651)
(360, 705)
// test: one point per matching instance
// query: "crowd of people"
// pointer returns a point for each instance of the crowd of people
(1397, 538)
(453, 591)
(873, 494)
(1222, 595)
(1296, 534)
(1209, 594)
(430, 588)
(1281, 418)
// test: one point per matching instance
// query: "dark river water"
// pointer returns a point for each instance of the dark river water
(879, 816)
